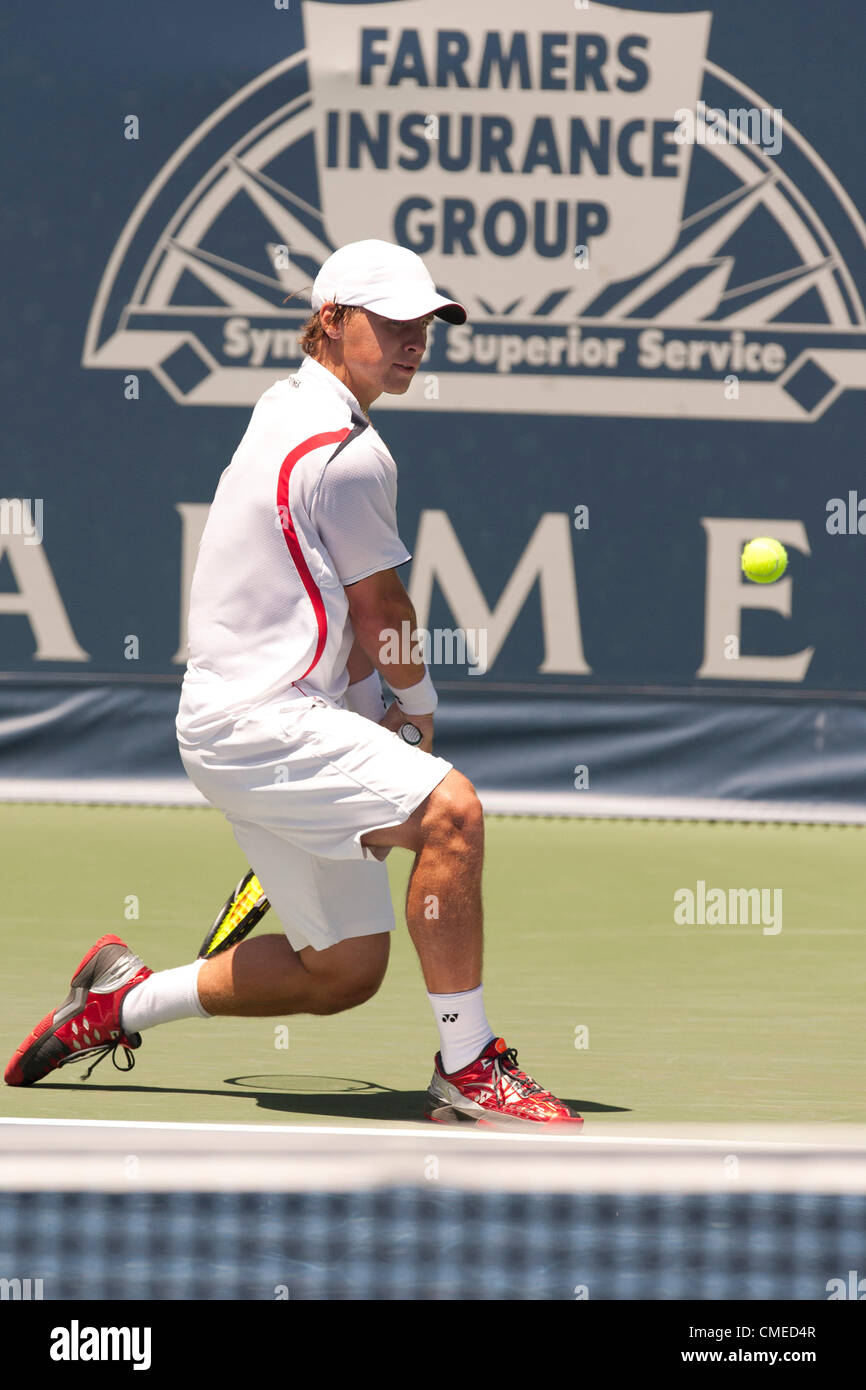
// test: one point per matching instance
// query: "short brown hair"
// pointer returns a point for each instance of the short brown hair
(312, 335)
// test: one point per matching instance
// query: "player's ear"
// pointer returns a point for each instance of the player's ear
(329, 320)
(337, 315)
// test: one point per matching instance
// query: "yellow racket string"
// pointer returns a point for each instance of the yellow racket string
(242, 904)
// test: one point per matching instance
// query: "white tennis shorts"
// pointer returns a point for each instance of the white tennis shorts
(300, 783)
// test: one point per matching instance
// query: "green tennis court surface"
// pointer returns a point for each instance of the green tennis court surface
(673, 1023)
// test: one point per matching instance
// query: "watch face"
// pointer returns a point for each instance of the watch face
(410, 734)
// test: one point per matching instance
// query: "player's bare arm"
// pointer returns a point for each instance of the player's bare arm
(377, 605)
(359, 667)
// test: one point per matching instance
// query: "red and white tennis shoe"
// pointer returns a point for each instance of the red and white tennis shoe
(493, 1090)
(88, 1020)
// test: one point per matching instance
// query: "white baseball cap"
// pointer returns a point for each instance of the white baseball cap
(387, 279)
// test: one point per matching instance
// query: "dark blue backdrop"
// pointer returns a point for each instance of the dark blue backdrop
(110, 471)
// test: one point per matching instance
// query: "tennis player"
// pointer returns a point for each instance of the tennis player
(282, 725)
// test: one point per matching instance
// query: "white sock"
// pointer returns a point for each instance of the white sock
(463, 1028)
(162, 998)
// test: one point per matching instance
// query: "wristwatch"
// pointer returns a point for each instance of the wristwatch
(410, 734)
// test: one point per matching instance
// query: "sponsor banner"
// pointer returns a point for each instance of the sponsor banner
(623, 219)
(656, 222)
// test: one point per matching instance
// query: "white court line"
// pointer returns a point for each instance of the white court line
(423, 1130)
(427, 1131)
(43, 1154)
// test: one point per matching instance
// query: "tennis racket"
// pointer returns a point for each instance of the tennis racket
(242, 910)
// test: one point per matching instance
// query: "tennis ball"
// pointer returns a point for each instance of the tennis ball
(764, 560)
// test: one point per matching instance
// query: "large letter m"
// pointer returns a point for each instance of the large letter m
(547, 558)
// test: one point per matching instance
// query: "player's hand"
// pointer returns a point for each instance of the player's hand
(395, 718)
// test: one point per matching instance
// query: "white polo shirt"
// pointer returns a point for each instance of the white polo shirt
(306, 506)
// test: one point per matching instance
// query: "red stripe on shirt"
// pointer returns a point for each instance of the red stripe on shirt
(316, 441)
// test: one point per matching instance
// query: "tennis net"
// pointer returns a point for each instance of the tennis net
(98, 1210)
(410, 1243)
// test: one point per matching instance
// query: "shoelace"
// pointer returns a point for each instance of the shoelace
(113, 1048)
(525, 1084)
(101, 1054)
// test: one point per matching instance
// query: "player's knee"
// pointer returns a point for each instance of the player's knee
(337, 996)
(454, 812)
(348, 974)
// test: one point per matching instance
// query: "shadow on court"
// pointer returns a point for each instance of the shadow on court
(328, 1097)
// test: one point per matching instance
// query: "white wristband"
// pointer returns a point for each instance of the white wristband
(365, 698)
(418, 699)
